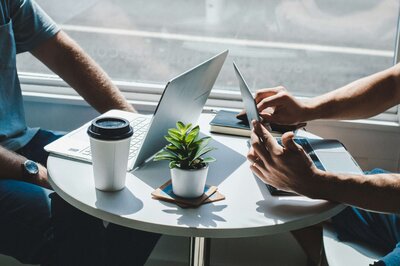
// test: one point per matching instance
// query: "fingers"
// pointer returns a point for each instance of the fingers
(257, 172)
(257, 165)
(273, 101)
(260, 95)
(266, 138)
(288, 142)
(255, 160)
(268, 92)
(258, 149)
(261, 173)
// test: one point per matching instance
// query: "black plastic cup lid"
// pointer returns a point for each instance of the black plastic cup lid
(110, 128)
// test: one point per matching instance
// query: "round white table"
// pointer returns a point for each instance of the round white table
(248, 210)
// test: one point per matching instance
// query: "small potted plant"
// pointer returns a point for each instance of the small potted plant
(185, 153)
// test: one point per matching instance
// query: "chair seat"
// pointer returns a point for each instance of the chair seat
(347, 253)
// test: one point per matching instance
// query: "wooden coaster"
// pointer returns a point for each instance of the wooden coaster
(165, 193)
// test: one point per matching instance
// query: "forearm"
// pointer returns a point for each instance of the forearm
(11, 168)
(10, 164)
(380, 192)
(63, 56)
(363, 98)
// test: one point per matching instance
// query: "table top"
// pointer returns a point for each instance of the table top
(248, 210)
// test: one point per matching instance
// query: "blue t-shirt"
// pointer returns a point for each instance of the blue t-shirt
(23, 25)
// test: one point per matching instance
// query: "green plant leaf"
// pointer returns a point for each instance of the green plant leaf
(166, 151)
(168, 157)
(162, 158)
(203, 142)
(193, 134)
(179, 153)
(203, 151)
(199, 144)
(180, 126)
(187, 127)
(174, 142)
(175, 134)
(171, 147)
(172, 165)
(209, 160)
(192, 153)
(161, 152)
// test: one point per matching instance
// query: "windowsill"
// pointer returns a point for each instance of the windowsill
(149, 106)
(364, 124)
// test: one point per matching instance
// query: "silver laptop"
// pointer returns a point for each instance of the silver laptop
(183, 100)
(327, 155)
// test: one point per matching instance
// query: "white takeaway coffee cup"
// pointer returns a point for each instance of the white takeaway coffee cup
(109, 143)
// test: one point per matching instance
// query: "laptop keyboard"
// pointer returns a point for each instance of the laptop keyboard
(140, 126)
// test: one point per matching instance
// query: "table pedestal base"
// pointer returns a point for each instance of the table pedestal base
(199, 253)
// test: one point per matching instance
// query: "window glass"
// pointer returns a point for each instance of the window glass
(309, 46)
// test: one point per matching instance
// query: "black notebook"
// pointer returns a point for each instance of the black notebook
(225, 122)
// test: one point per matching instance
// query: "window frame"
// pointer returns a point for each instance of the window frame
(397, 55)
(50, 87)
(147, 95)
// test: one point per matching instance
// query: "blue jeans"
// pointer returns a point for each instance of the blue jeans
(379, 230)
(38, 227)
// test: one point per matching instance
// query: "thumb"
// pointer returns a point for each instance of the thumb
(288, 142)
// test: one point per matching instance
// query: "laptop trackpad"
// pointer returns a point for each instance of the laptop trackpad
(338, 162)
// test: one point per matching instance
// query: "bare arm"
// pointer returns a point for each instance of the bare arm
(363, 98)
(380, 192)
(64, 56)
(11, 168)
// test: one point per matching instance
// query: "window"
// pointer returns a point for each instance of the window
(309, 46)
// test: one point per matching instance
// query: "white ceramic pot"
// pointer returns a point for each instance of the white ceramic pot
(189, 183)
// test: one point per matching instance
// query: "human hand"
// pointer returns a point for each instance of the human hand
(278, 106)
(286, 167)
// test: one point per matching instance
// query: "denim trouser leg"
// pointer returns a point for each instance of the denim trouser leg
(25, 227)
(379, 230)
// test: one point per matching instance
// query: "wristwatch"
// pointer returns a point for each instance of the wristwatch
(29, 169)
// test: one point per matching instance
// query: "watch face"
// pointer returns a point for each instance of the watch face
(31, 167)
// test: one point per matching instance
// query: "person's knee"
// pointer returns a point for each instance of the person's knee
(25, 221)
(391, 259)
(24, 201)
